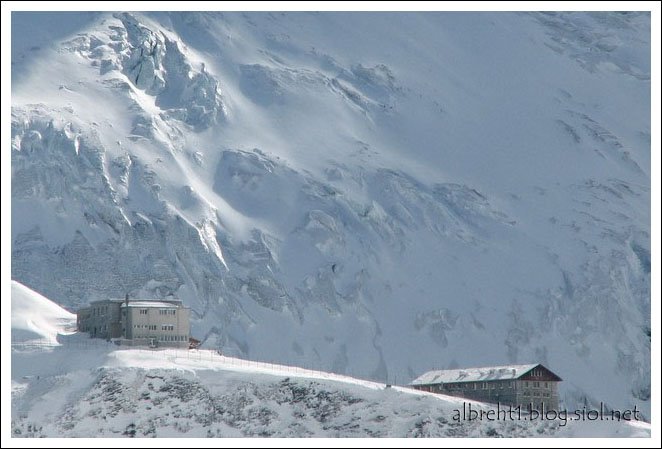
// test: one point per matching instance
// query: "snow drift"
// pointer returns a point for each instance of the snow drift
(37, 319)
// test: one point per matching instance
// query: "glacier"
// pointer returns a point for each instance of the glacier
(374, 194)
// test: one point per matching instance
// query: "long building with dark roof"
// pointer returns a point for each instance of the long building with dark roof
(527, 386)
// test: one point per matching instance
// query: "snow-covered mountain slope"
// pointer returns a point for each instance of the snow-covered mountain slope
(93, 388)
(378, 193)
(217, 401)
(37, 319)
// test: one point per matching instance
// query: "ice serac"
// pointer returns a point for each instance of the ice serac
(154, 62)
(372, 194)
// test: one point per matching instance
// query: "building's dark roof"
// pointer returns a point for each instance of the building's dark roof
(106, 300)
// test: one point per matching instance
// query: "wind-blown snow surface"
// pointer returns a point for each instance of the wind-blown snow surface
(380, 194)
(35, 318)
(92, 388)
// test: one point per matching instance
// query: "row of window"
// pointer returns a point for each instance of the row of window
(536, 394)
(493, 385)
(152, 327)
(173, 338)
(162, 337)
(483, 385)
(103, 310)
(161, 311)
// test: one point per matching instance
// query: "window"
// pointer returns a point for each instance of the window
(546, 384)
(167, 327)
(526, 383)
(143, 311)
(536, 384)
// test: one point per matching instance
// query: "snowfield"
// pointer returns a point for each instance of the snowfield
(94, 389)
(35, 318)
(369, 194)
